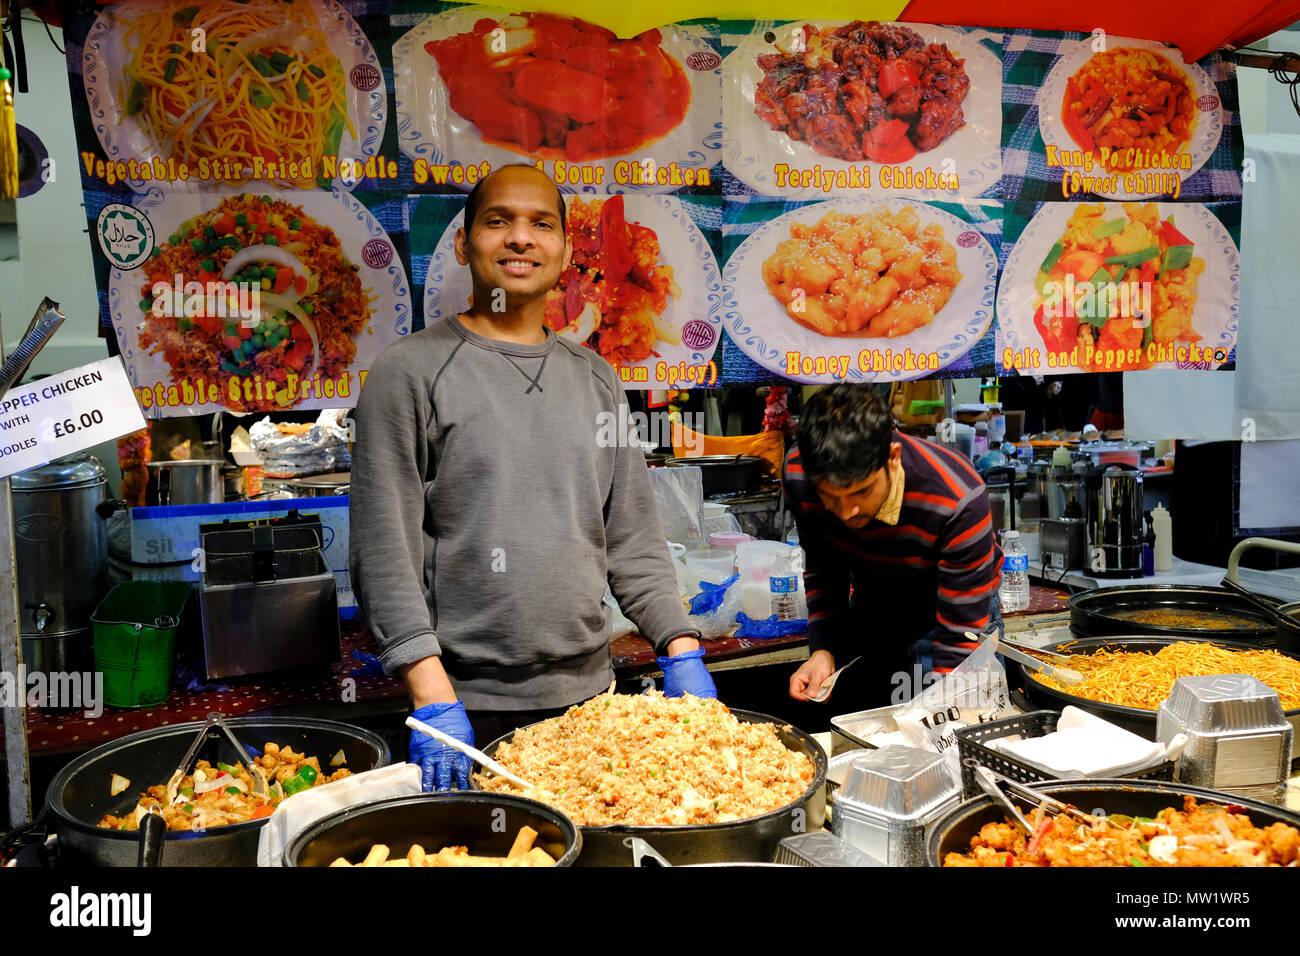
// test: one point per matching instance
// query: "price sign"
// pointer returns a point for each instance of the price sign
(66, 413)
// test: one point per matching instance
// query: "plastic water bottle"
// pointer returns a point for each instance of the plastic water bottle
(783, 581)
(1014, 590)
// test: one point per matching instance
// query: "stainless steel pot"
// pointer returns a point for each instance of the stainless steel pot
(752, 840)
(486, 823)
(197, 481)
(320, 486)
(61, 552)
(79, 796)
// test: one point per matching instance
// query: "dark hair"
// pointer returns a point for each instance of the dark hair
(475, 198)
(844, 434)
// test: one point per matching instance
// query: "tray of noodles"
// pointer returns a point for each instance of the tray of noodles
(257, 302)
(1126, 678)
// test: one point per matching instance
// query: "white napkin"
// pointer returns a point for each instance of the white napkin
(303, 809)
(1085, 745)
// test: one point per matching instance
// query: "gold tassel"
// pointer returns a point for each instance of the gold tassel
(8, 137)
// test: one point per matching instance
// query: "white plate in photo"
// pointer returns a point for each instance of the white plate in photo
(1209, 114)
(1214, 317)
(365, 244)
(752, 149)
(429, 129)
(759, 324)
(696, 314)
(106, 59)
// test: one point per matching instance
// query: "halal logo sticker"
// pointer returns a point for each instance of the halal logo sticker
(968, 238)
(702, 60)
(125, 235)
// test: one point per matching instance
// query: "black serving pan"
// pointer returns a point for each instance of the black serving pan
(739, 841)
(725, 473)
(484, 823)
(1142, 722)
(1096, 613)
(79, 796)
(953, 832)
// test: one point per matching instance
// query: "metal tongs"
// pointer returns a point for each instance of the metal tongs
(1064, 675)
(260, 786)
(998, 787)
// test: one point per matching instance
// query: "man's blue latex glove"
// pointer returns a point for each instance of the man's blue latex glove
(686, 674)
(440, 765)
(370, 665)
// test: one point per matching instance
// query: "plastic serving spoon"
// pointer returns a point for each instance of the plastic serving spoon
(472, 753)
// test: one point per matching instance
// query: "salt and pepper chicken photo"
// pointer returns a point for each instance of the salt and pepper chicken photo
(1129, 247)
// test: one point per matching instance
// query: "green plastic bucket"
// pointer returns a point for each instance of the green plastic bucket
(135, 640)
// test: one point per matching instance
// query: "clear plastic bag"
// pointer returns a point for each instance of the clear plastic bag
(679, 499)
(974, 693)
(714, 607)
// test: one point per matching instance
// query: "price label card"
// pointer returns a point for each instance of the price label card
(66, 413)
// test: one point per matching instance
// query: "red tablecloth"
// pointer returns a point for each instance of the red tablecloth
(631, 656)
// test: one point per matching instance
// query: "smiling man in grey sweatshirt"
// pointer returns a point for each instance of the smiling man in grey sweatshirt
(490, 507)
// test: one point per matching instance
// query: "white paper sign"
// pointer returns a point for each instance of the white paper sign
(66, 413)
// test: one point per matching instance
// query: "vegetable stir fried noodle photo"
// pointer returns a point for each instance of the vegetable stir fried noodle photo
(872, 91)
(614, 293)
(312, 305)
(880, 274)
(1129, 98)
(214, 796)
(1136, 679)
(264, 86)
(649, 760)
(1197, 835)
(542, 84)
(1118, 280)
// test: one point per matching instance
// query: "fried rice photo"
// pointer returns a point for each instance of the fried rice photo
(650, 760)
(312, 305)
(615, 291)
(1117, 282)
(1129, 98)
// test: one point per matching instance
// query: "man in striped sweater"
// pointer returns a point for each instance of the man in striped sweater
(901, 554)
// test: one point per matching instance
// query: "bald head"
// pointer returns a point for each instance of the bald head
(515, 172)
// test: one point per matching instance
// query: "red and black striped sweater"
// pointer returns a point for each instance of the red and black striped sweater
(924, 581)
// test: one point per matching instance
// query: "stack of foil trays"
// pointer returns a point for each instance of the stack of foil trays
(1238, 736)
(888, 799)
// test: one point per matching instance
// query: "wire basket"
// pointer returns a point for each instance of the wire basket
(1037, 723)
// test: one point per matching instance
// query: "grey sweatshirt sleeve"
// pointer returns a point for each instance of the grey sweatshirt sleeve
(640, 569)
(386, 511)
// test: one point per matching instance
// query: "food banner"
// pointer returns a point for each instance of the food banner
(773, 195)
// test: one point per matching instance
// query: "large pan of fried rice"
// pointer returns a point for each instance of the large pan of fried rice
(700, 782)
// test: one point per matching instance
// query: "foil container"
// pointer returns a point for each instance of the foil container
(888, 799)
(1239, 739)
(820, 849)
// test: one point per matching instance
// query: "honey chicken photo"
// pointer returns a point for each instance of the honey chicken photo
(872, 275)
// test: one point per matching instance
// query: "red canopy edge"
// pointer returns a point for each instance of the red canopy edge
(1197, 31)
